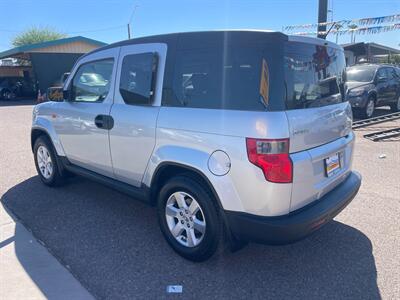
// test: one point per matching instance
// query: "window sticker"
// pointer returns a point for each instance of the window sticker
(264, 83)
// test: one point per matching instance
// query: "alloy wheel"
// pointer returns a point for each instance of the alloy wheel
(185, 219)
(370, 108)
(44, 162)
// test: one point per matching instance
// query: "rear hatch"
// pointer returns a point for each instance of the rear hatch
(319, 120)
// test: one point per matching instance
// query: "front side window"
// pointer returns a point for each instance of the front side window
(389, 73)
(137, 78)
(381, 75)
(91, 82)
(314, 75)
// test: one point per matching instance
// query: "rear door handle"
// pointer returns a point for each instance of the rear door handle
(104, 122)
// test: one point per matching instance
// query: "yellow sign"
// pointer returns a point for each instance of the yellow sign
(264, 83)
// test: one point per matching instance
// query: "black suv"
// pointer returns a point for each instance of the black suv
(370, 85)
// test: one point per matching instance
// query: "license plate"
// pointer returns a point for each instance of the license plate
(332, 164)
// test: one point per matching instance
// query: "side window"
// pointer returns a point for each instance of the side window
(91, 82)
(381, 74)
(393, 74)
(195, 81)
(389, 73)
(397, 72)
(138, 75)
(215, 79)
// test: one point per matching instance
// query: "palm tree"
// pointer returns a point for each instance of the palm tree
(338, 26)
(352, 27)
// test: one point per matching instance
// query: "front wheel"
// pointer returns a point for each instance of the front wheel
(395, 107)
(189, 218)
(46, 162)
(369, 109)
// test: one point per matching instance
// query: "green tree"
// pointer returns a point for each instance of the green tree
(395, 59)
(35, 35)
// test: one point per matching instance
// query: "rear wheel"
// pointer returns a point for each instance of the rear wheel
(395, 107)
(189, 219)
(46, 162)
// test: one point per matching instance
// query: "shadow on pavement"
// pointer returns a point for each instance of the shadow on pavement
(22, 255)
(112, 244)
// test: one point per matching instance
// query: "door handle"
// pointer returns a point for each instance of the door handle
(104, 122)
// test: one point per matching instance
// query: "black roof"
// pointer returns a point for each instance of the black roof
(187, 40)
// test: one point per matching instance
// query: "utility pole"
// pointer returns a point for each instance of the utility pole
(322, 17)
(129, 31)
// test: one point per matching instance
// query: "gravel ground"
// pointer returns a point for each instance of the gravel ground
(112, 244)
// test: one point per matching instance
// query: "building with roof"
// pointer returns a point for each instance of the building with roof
(367, 52)
(44, 63)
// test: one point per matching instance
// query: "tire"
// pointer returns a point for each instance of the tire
(369, 109)
(204, 244)
(8, 95)
(395, 107)
(46, 162)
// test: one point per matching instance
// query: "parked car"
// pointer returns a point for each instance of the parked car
(370, 86)
(12, 87)
(7, 90)
(243, 134)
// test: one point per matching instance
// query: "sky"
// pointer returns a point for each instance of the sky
(106, 20)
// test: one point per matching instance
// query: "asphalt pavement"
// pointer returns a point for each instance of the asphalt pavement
(112, 244)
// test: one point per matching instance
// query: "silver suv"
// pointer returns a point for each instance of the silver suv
(237, 134)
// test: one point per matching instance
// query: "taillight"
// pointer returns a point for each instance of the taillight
(272, 156)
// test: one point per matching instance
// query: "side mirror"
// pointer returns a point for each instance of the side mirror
(55, 94)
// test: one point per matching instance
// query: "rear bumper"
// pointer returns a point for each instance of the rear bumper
(298, 224)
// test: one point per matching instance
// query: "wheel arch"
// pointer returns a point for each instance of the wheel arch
(374, 94)
(36, 132)
(169, 169)
(42, 125)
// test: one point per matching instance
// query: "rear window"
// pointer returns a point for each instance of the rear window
(236, 78)
(314, 75)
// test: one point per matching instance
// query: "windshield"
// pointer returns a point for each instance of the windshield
(360, 73)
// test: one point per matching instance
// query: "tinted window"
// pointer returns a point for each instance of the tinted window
(137, 78)
(216, 79)
(390, 73)
(91, 82)
(360, 73)
(397, 73)
(381, 74)
(314, 75)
